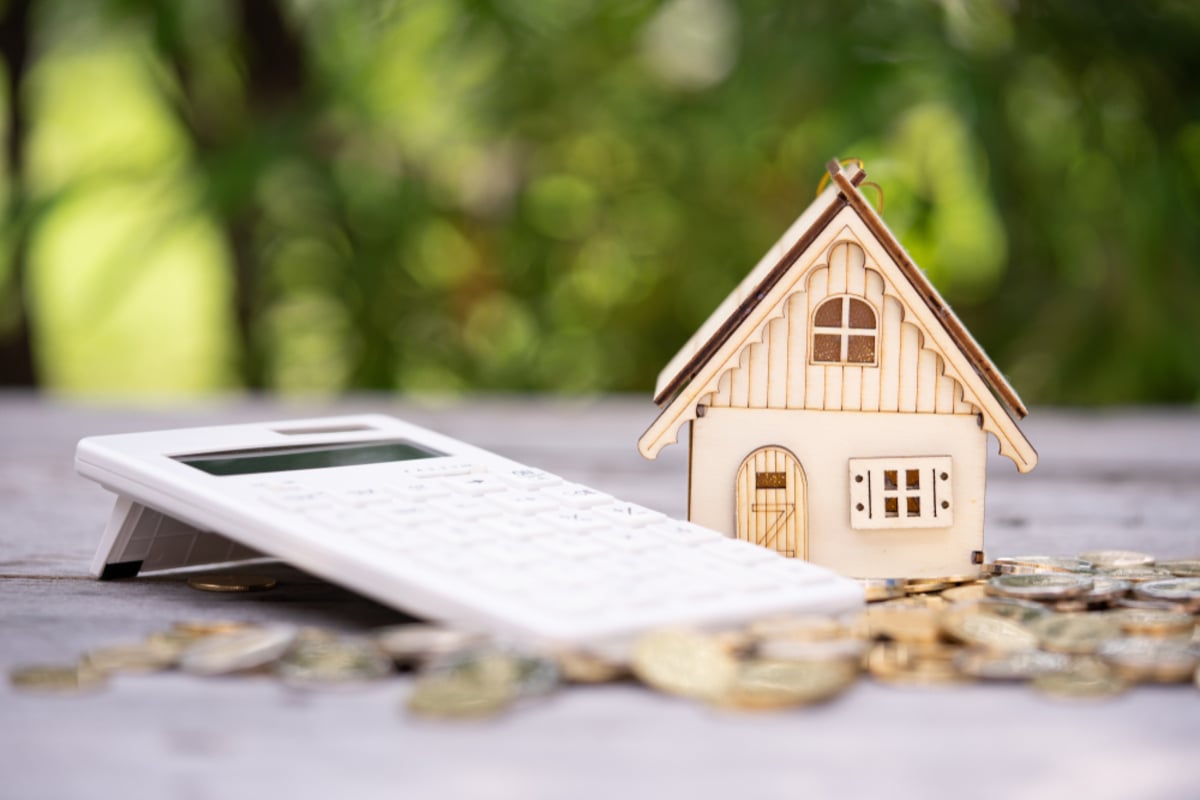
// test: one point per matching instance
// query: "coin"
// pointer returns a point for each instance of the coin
(1084, 677)
(965, 593)
(764, 684)
(209, 627)
(581, 666)
(232, 582)
(133, 657)
(1117, 558)
(906, 663)
(1075, 634)
(925, 585)
(683, 662)
(1033, 565)
(849, 650)
(876, 589)
(238, 651)
(1153, 622)
(1020, 665)
(800, 628)
(1041, 586)
(1136, 574)
(1182, 567)
(986, 631)
(1185, 591)
(416, 642)
(1106, 589)
(1153, 659)
(903, 623)
(56, 679)
(340, 661)
(479, 686)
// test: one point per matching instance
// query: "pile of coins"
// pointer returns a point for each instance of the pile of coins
(1084, 626)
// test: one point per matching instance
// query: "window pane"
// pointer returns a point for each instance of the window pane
(861, 350)
(914, 506)
(861, 315)
(890, 507)
(829, 314)
(912, 478)
(827, 347)
(889, 479)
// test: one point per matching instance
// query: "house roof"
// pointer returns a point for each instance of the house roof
(741, 304)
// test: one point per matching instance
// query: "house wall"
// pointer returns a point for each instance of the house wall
(823, 442)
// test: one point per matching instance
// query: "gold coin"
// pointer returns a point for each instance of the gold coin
(1182, 567)
(760, 684)
(1075, 634)
(806, 628)
(928, 601)
(1083, 678)
(683, 662)
(231, 583)
(209, 627)
(905, 663)
(965, 592)
(903, 624)
(1117, 558)
(1041, 586)
(986, 631)
(876, 589)
(925, 585)
(54, 679)
(481, 684)
(135, 657)
(581, 666)
(1151, 659)
(1153, 622)
(849, 650)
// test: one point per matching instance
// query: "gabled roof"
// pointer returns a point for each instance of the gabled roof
(730, 317)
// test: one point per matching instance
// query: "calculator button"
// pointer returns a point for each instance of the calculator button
(362, 495)
(464, 508)
(522, 527)
(627, 514)
(296, 500)
(683, 532)
(576, 521)
(421, 490)
(474, 484)
(342, 518)
(573, 494)
(409, 513)
(524, 502)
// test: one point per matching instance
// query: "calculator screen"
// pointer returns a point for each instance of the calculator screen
(317, 456)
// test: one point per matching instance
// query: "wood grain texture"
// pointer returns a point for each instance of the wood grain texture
(1112, 479)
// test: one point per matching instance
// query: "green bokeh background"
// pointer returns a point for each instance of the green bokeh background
(454, 195)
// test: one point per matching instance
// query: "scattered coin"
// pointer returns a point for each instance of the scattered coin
(1084, 677)
(1152, 659)
(763, 684)
(683, 662)
(1117, 558)
(1022, 611)
(56, 679)
(1182, 567)
(925, 585)
(1075, 634)
(906, 663)
(1136, 574)
(581, 666)
(849, 650)
(986, 631)
(414, 643)
(232, 582)
(900, 623)
(1153, 622)
(1185, 591)
(966, 592)
(1041, 586)
(134, 657)
(876, 589)
(340, 661)
(477, 687)
(1106, 589)
(1021, 665)
(209, 627)
(1033, 565)
(237, 651)
(806, 628)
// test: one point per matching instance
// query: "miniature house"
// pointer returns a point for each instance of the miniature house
(839, 410)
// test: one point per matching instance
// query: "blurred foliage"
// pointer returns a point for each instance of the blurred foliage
(450, 195)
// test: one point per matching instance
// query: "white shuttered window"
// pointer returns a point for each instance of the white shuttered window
(906, 492)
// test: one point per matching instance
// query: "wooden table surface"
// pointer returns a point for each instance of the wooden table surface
(1122, 479)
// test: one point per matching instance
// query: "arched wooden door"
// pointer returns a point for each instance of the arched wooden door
(772, 495)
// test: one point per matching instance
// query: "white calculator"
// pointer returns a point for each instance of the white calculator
(435, 527)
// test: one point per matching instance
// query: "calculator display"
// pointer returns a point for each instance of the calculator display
(318, 456)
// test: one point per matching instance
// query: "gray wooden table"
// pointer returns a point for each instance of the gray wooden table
(1128, 479)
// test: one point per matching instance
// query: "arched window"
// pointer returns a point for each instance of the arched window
(844, 332)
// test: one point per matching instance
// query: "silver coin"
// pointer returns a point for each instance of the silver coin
(333, 662)
(1176, 590)
(1023, 611)
(532, 675)
(1041, 586)
(1033, 565)
(1117, 558)
(1106, 589)
(1014, 666)
(418, 642)
(1136, 574)
(237, 651)
(1182, 567)
(1150, 658)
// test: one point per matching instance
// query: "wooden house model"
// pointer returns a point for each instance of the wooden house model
(839, 410)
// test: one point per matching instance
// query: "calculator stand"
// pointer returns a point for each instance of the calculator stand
(140, 539)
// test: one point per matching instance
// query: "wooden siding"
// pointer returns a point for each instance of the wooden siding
(776, 371)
